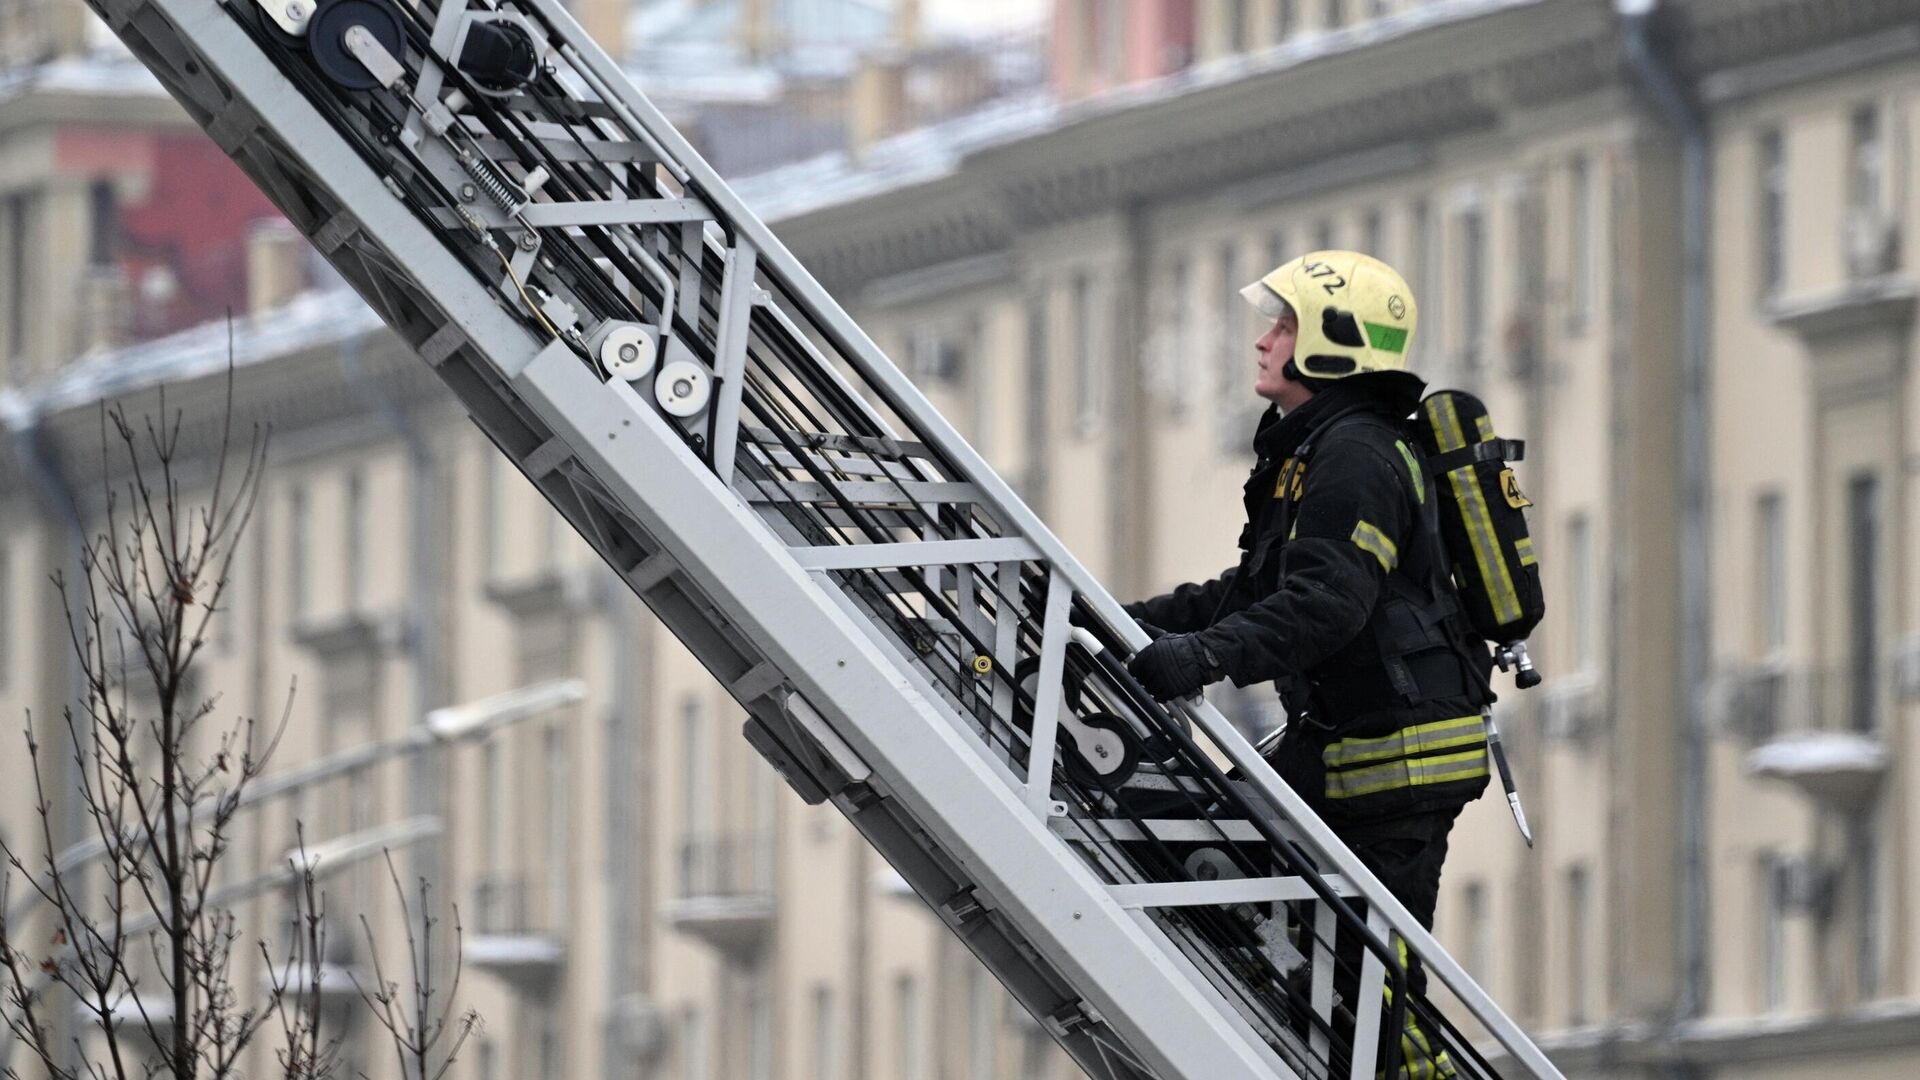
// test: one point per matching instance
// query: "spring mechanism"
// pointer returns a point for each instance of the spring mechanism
(487, 177)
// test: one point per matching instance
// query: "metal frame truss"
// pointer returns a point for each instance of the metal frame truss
(906, 637)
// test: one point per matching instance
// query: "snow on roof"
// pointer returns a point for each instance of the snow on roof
(914, 157)
(927, 154)
(107, 71)
(309, 320)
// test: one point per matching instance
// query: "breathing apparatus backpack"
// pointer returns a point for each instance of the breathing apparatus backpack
(1483, 524)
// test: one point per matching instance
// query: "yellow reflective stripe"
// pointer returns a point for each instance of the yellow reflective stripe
(1445, 423)
(1413, 471)
(1480, 534)
(1416, 772)
(1523, 547)
(1368, 538)
(1408, 741)
(1485, 426)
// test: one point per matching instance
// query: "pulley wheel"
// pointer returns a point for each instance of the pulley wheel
(1109, 761)
(1026, 675)
(327, 39)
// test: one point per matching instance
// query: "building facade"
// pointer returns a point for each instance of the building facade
(1717, 766)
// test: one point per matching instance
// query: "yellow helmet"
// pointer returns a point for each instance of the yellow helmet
(1356, 313)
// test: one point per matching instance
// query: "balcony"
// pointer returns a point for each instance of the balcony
(1816, 730)
(504, 939)
(726, 891)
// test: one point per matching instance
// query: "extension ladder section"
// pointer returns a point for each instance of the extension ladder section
(907, 639)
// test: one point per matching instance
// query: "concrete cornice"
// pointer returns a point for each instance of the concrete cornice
(1728, 1042)
(289, 394)
(1243, 121)
(1713, 35)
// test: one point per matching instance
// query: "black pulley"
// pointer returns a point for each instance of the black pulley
(499, 55)
(327, 39)
(1108, 762)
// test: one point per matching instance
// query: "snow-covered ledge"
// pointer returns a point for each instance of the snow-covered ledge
(1837, 769)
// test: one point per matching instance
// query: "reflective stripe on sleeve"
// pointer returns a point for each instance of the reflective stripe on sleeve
(1368, 538)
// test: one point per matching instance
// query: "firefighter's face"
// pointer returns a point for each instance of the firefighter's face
(1274, 349)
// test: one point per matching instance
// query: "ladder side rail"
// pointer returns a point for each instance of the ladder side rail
(861, 690)
(978, 467)
(1160, 1008)
(907, 399)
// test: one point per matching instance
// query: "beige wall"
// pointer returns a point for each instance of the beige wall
(1578, 937)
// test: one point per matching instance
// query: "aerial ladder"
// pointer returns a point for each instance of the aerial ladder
(907, 639)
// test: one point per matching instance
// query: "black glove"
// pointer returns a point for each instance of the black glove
(1153, 632)
(1174, 666)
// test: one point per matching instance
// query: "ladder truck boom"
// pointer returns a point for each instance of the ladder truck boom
(906, 637)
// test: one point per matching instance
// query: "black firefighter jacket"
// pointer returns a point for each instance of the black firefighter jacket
(1334, 574)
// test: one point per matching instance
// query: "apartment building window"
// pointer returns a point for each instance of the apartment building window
(6, 618)
(1772, 204)
(1863, 599)
(1336, 12)
(980, 1028)
(1580, 248)
(19, 222)
(1173, 366)
(1869, 236)
(1580, 932)
(1236, 29)
(1323, 236)
(1039, 433)
(356, 545)
(1277, 252)
(760, 1034)
(980, 380)
(553, 745)
(298, 556)
(492, 514)
(1286, 18)
(103, 224)
(1473, 286)
(485, 1058)
(1581, 598)
(1373, 236)
(1377, 8)
(1424, 265)
(909, 1053)
(550, 1054)
(499, 798)
(826, 1042)
(695, 1063)
(940, 353)
(1475, 941)
(1770, 573)
(1774, 892)
(1869, 942)
(697, 773)
(1089, 367)
(1867, 179)
(1231, 329)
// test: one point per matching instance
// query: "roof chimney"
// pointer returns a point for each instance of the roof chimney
(276, 264)
(879, 99)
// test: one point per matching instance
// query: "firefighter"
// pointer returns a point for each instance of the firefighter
(1341, 595)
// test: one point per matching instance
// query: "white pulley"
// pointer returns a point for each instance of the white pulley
(682, 388)
(626, 350)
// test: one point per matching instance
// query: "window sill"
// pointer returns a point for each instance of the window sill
(357, 630)
(1885, 302)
